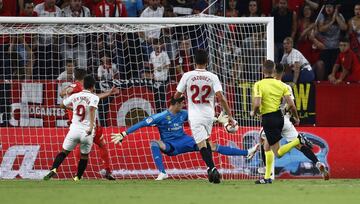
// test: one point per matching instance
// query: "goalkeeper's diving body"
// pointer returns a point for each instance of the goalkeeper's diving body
(174, 140)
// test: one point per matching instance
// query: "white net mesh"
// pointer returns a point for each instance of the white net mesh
(37, 61)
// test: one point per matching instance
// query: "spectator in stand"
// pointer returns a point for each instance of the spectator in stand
(231, 10)
(309, 43)
(153, 10)
(347, 66)
(285, 24)
(22, 55)
(298, 69)
(110, 8)
(75, 9)
(28, 9)
(107, 70)
(133, 7)
(331, 23)
(48, 9)
(68, 74)
(21, 4)
(159, 61)
(354, 30)
(253, 10)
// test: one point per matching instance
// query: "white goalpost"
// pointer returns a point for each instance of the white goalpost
(37, 58)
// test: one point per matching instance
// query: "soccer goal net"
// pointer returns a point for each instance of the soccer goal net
(144, 58)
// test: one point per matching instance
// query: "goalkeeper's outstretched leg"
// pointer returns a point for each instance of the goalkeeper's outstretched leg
(187, 144)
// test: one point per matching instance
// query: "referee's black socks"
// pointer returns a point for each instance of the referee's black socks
(207, 157)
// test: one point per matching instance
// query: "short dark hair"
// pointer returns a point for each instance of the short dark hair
(201, 57)
(269, 65)
(279, 68)
(173, 101)
(89, 82)
(79, 74)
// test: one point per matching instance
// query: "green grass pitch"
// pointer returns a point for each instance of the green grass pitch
(179, 192)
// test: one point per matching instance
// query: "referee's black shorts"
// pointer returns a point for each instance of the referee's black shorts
(273, 124)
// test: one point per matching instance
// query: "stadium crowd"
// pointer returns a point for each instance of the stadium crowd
(312, 47)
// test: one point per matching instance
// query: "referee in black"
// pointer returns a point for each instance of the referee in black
(267, 96)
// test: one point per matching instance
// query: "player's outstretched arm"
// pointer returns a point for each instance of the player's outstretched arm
(118, 137)
(66, 91)
(112, 91)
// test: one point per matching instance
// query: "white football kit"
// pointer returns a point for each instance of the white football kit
(200, 86)
(80, 123)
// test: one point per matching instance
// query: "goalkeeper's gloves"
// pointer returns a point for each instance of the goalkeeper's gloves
(118, 137)
(222, 118)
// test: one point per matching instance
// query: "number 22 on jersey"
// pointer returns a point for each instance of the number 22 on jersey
(200, 94)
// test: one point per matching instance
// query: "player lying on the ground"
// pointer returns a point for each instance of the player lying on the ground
(77, 87)
(81, 131)
(174, 140)
(289, 131)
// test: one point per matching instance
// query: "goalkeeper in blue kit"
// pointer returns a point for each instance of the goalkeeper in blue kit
(174, 140)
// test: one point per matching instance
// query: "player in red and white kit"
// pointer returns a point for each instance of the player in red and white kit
(201, 88)
(77, 87)
(81, 131)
